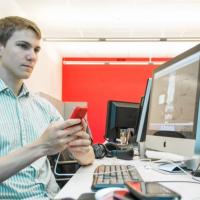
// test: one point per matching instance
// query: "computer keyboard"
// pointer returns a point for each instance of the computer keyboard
(114, 176)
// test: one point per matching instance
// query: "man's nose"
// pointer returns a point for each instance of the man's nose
(32, 56)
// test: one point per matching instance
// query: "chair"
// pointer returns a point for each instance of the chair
(65, 165)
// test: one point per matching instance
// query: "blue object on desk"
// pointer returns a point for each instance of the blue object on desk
(169, 167)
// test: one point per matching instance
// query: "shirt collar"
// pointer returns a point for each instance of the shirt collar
(3, 86)
(24, 91)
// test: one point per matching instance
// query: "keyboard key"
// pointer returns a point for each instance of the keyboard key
(114, 176)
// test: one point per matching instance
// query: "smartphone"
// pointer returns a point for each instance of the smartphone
(151, 190)
(78, 113)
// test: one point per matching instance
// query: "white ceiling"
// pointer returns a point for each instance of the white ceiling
(127, 19)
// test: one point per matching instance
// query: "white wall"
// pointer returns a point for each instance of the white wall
(47, 75)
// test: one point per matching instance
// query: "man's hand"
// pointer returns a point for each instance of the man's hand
(58, 136)
(70, 135)
(81, 143)
(81, 147)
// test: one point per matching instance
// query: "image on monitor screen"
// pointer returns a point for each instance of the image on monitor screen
(174, 103)
(120, 115)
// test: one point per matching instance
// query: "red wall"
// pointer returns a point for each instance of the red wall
(97, 84)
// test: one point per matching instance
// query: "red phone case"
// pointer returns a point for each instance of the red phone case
(78, 113)
(122, 195)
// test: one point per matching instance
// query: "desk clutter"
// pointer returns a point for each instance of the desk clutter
(113, 150)
(123, 182)
(82, 182)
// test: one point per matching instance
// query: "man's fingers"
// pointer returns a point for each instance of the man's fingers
(79, 149)
(82, 134)
(84, 122)
(66, 124)
(80, 142)
(70, 132)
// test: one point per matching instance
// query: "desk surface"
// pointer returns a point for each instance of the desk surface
(82, 180)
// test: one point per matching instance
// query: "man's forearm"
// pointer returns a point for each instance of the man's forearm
(18, 159)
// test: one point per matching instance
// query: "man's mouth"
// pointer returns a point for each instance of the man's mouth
(28, 66)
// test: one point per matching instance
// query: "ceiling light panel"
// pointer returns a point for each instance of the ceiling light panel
(111, 19)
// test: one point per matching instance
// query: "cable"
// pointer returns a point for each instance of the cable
(55, 168)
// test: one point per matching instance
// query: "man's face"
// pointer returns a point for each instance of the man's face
(18, 57)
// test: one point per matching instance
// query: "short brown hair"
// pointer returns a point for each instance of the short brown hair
(9, 25)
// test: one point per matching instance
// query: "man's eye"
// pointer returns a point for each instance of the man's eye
(37, 50)
(24, 46)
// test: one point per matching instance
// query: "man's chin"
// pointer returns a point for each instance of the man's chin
(25, 76)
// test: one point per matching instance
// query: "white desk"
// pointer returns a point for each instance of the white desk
(82, 180)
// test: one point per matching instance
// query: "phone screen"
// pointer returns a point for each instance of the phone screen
(150, 189)
(155, 188)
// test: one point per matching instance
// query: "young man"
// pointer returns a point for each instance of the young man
(30, 127)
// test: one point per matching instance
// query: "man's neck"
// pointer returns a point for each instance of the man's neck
(15, 86)
(11, 82)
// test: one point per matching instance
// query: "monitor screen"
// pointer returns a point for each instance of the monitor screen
(142, 122)
(120, 115)
(174, 102)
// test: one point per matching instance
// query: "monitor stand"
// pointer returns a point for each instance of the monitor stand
(141, 150)
(192, 163)
(188, 163)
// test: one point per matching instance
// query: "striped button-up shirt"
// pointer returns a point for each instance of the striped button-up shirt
(22, 120)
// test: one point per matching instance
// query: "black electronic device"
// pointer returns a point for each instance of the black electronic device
(151, 190)
(120, 115)
(144, 107)
(140, 112)
(112, 150)
(174, 108)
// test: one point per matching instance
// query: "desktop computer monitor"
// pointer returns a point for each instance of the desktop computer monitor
(174, 111)
(120, 115)
(144, 105)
